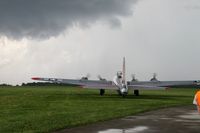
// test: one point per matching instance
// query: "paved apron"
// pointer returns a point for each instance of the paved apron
(170, 120)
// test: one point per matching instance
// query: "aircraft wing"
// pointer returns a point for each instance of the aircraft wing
(93, 84)
(145, 87)
(161, 84)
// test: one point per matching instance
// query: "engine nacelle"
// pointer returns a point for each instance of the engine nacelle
(197, 82)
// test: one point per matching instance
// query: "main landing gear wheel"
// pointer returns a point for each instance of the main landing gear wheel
(102, 92)
(136, 92)
(123, 95)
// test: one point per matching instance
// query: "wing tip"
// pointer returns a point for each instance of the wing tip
(36, 78)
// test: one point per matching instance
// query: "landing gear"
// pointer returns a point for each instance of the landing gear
(102, 92)
(120, 94)
(124, 95)
(136, 92)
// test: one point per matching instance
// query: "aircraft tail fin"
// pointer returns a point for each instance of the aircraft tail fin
(124, 71)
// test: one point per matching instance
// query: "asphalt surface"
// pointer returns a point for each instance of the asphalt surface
(170, 120)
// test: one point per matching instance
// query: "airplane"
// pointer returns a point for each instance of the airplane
(120, 84)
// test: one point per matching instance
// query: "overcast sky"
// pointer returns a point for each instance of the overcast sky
(70, 38)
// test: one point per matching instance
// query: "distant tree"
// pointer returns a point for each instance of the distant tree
(5, 84)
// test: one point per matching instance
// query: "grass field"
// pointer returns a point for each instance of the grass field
(46, 109)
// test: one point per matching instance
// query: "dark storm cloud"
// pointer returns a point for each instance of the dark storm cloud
(46, 18)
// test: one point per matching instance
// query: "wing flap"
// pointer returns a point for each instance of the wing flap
(101, 86)
(145, 87)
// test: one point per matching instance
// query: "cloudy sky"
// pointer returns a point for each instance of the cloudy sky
(70, 38)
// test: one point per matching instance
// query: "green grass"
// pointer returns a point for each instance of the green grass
(46, 109)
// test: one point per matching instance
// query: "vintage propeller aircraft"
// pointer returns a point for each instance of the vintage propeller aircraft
(120, 84)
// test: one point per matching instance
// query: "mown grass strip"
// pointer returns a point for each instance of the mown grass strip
(49, 108)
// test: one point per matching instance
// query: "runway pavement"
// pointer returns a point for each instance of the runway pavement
(170, 120)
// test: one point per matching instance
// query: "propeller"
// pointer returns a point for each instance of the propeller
(133, 77)
(86, 77)
(154, 77)
(100, 78)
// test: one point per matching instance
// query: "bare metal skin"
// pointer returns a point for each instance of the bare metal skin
(120, 84)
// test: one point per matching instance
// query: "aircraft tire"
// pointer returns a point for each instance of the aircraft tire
(102, 92)
(136, 92)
